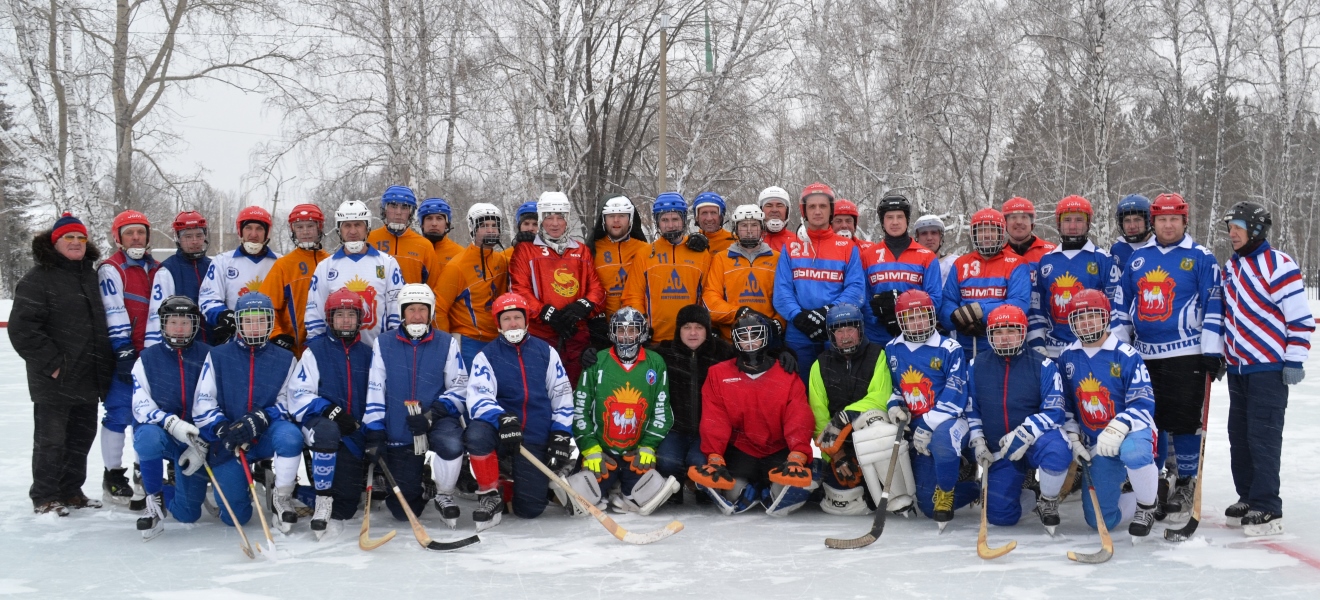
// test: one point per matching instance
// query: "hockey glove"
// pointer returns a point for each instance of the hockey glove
(598, 331)
(811, 323)
(179, 429)
(511, 435)
(1293, 375)
(921, 437)
(846, 469)
(984, 456)
(418, 422)
(714, 474)
(697, 242)
(588, 359)
(1079, 451)
(249, 427)
(224, 326)
(375, 440)
(124, 361)
(898, 414)
(1214, 366)
(836, 432)
(640, 460)
(548, 315)
(283, 340)
(1111, 438)
(576, 311)
(347, 424)
(559, 454)
(882, 305)
(788, 361)
(793, 472)
(1015, 444)
(967, 319)
(524, 236)
(194, 456)
(596, 461)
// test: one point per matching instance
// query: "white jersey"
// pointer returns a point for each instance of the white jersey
(373, 274)
(231, 275)
(946, 267)
(117, 320)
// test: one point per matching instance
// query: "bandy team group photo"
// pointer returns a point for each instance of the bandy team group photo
(725, 361)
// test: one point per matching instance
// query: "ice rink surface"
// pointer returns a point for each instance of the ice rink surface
(98, 553)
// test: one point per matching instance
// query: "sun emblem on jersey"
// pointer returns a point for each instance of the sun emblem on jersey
(1094, 404)
(917, 392)
(253, 285)
(368, 293)
(624, 409)
(1062, 291)
(564, 283)
(1155, 295)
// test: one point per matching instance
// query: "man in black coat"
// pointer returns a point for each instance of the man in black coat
(58, 327)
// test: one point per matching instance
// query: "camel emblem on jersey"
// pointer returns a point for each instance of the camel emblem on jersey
(1155, 299)
(1094, 404)
(917, 392)
(564, 283)
(1062, 291)
(623, 415)
(368, 293)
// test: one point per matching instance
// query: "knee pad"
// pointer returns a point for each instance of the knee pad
(652, 490)
(847, 502)
(1136, 451)
(321, 435)
(584, 483)
(873, 440)
(287, 440)
(783, 500)
(149, 442)
(444, 472)
(480, 437)
(446, 438)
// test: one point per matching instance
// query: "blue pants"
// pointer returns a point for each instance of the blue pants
(1048, 453)
(468, 348)
(1257, 402)
(448, 439)
(118, 406)
(529, 484)
(624, 475)
(282, 438)
(677, 452)
(1109, 472)
(806, 351)
(940, 468)
(153, 446)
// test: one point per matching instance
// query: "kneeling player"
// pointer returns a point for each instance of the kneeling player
(1017, 404)
(415, 395)
(757, 415)
(328, 396)
(620, 414)
(164, 381)
(1106, 382)
(931, 396)
(241, 404)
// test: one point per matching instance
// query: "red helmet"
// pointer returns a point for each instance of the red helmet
(1074, 204)
(340, 299)
(816, 188)
(126, 218)
(252, 213)
(307, 212)
(1006, 316)
(509, 301)
(1088, 299)
(916, 315)
(1084, 303)
(189, 219)
(989, 217)
(1018, 204)
(913, 298)
(1168, 204)
(846, 207)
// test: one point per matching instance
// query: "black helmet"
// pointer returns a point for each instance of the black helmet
(894, 201)
(179, 306)
(1255, 216)
(753, 338)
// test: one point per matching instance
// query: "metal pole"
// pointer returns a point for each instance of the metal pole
(664, 91)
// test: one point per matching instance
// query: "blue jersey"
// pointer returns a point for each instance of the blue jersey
(238, 379)
(1170, 301)
(165, 382)
(916, 268)
(526, 380)
(1061, 275)
(1004, 278)
(822, 271)
(428, 370)
(177, 276)
(930, 379)
(1005, 392)
(1122, 251)
(1104, 383)
(332, 371)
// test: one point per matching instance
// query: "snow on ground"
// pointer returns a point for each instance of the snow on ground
(752, 555)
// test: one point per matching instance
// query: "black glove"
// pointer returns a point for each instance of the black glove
(882, 305)
(549, 315)
(347, 424)
(967, 319)
(375, 439)
(524, 236)
(1215, 366)
(419, 423)
(598, 330)
(247, 428)
(697, 242)
(576, 311)
(124, 361)
(811, 323)
(225, 326)
(283, 340)
(788, 361)
(588, 358)
(558, 453)
(510, 435)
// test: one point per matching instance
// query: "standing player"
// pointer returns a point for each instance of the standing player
(414, 253)
(519, 388)
(896, 265)
(774, 202)
(1267, 335)
(1063, 272)
(670, 276)
(744, 276)
(616, 243)
(527, 223)
(708, 212)
(471, 282)
(815, 274)
(437, 221)
(930, 395)
(1170, 306)
(182, 273)
(1134, 219)
(358, 266)
(930, 233)
(846, 221)
(982, 281)
(1108, 389)
(233, 274)
(291, 276)
(1020, 219)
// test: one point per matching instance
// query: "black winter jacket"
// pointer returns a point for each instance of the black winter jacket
(687, 373)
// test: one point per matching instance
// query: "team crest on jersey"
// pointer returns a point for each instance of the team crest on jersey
(1045, 270)
(1115, 370)
(624, 409)
(380, 271)
(252, 286)
(231, 273)
(332, 274)
(1092, 268)
(753, 289)
(675, 289)
(368, 293)
(620, 278)
(650, 376)
(1062, 291)
(917, 392)
(1094, 404)
(564, 283)
(1155, 295)
(1136, 263)
(936, 363)
(1186, 264)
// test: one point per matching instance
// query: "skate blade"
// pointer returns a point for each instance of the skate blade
(153, 533)
(452, 523)
(942, 526)
(1272, 528)
(484, 525)
(1050, 529)
(109, 498)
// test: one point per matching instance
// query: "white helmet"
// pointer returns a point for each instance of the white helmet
(553, 202)
(746, 212)
(479, 212)
(352, 210)
(928, 222)
(417, 293)
(620, 205)
(772, 193)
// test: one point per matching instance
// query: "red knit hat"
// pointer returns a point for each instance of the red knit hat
(67, 223)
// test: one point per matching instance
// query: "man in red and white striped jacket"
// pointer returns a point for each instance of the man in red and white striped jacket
(1267, 336)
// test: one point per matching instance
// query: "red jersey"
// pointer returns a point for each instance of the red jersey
(758, 416)
(543, 276)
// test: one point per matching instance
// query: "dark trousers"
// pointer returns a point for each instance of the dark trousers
(530, 484)
(62, 436)
(348, 484)
(1256, 405)
(756, 471)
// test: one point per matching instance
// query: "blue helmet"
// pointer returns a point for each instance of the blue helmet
(845, 315)
(1134, 204)
(709, 198)
(254, 304)
(435, 206)
(669, 202)
(524, 209)
(399, 194)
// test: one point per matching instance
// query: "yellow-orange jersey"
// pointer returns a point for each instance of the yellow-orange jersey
(663, 281)
(445, 251)
(720, 241)
(734, 282)
(614, 262)
(287, 284)
(468, 286)
(414, 253)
